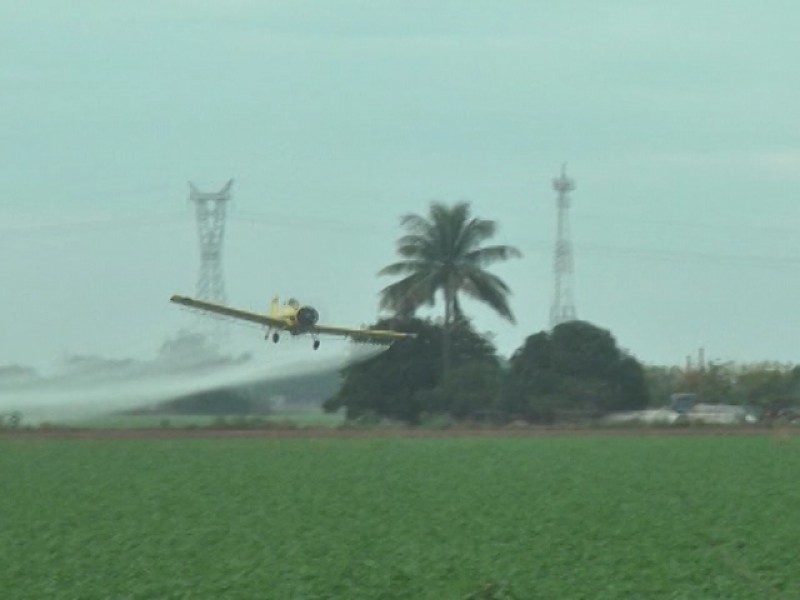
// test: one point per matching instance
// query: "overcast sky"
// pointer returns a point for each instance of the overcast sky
(678, 121)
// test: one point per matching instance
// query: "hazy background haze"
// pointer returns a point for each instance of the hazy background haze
(678, 121)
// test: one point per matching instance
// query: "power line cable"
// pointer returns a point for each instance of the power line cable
(93, 225)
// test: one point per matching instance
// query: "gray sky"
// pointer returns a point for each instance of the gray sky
(679, 122)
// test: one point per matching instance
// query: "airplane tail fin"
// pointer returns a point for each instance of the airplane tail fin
(274, 306)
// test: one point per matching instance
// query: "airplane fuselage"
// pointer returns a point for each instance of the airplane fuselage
(298, 319)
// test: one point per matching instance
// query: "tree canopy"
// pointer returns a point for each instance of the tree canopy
(445, 253)
(395, 383)
(576, 368)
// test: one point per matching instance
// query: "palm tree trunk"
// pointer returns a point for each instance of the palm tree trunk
(446, 337)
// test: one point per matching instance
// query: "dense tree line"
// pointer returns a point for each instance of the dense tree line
(576, 370)
(768, 386)
(407, 379)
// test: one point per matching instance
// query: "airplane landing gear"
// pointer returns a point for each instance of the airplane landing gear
(316, 344)
(275, 337)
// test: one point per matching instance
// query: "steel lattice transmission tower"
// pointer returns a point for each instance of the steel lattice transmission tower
(210, 212)
(563, 308)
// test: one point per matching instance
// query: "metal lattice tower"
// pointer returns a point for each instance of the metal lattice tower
(210, 212)
(563, 308)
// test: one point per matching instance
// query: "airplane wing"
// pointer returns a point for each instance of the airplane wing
(384, 336)
(227, 311)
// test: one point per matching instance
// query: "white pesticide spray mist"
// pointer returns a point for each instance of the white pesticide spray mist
(95, 387)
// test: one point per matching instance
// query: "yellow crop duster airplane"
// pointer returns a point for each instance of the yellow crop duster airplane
(294, 318)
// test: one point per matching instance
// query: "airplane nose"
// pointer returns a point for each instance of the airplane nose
(307, 316)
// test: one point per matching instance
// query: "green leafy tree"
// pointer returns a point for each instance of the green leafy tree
(444, 253)
(765, 385)
(713, 384)
(468, 391)
(773, 389)
(768, 386)
(394, 384)
(662, 382)
(532, 382)
(576, 368)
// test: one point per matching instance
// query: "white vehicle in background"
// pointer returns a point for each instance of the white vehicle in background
(685, 408)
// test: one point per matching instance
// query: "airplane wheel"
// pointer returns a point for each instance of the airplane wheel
(316, 344)
(275, 337)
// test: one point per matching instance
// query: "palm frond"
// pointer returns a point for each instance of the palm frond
(491, 254)
(416, 224)
(449, 222)
(414, 239)
(473, 234)
(419, 247)
(444, 252)
(409, 293)
(404, 266)
(489, 289)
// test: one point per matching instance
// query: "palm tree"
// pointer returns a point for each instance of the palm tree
(444, 253)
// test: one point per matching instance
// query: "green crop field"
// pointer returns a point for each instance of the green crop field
(299, 418)
(591, 517)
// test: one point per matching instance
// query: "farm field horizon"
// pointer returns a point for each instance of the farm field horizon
(588, 516)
